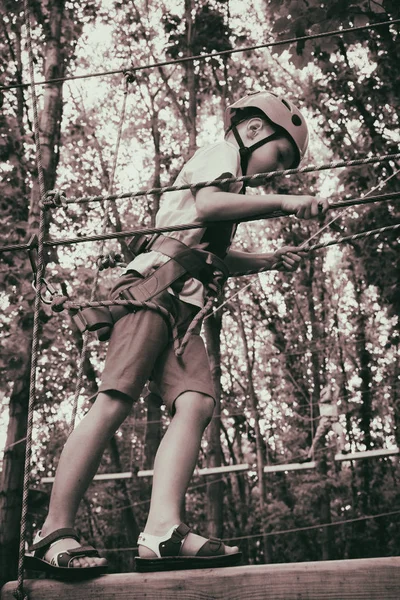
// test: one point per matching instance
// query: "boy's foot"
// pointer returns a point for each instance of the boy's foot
(61, 554)
(181, 549)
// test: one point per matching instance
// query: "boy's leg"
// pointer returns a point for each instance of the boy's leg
(78, 464)
(174, 465)
(136, 341)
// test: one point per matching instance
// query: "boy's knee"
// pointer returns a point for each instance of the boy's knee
(113, 402)
(197, 405)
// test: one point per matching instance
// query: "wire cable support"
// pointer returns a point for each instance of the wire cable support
(150, 230)
(200, 57)
(284, 531)
(55, 199)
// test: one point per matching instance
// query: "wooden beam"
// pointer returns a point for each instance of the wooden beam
(367, 454)
(359, 579)
(98, 477)
(149, 473)
(245, 467)
(290, 467)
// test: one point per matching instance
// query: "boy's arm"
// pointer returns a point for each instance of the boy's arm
(286, 259)
(212, 204)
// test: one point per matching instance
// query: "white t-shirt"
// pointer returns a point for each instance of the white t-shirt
(220, 160)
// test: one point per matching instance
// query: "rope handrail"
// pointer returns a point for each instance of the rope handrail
(261, 177)
(342, 240)
(150, 230)
(185, 59)
(143, 230)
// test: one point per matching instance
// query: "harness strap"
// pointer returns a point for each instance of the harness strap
(183, 261)
(194, 262)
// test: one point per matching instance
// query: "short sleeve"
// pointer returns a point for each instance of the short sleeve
(219, 161)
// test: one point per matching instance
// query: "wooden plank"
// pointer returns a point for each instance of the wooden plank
(289, 467)
(359, 579)
(98, 477)
(367, 454)
(206, 471)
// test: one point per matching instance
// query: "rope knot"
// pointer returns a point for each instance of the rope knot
(110, 260)
(54, 198)
(130, 76)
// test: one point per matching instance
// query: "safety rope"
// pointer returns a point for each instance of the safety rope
(258, 177)
(19, 592)
(123, 234)
(150, 230)
(342, 240)
(305, 248)
(185, 59)
(85, 337)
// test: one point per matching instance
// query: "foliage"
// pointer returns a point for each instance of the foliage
(336, 318)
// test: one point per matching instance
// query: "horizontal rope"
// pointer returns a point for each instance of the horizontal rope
(283, 531)
(260, 177)
(150, 230)
(342, 240)
(185, 59)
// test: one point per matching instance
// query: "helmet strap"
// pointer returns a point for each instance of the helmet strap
(246, 151)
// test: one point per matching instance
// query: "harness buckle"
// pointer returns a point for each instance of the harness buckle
(141, 242)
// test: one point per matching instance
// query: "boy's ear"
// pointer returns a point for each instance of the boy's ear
(254, 126)
(257, 125)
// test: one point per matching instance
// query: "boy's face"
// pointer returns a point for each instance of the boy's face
(276, 155)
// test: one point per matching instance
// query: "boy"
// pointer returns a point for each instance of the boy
(263, 133)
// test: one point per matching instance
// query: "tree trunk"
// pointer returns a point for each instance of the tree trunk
(190, 75)
(13, 464)
(214, 451)
(267, 547)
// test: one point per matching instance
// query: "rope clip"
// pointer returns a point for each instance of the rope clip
(32, 247)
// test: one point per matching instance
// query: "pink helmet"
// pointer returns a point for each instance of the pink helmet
(280, 112)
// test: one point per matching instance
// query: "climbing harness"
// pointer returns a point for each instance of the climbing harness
(183, 262)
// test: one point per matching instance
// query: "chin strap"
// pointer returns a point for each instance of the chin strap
(246, 151)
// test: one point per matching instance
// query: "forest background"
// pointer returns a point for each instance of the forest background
(274, 345)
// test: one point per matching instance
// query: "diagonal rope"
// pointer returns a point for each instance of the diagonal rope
(318, 246)
(85, 337)
(185, 59)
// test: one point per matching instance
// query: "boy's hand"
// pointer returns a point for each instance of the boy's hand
(288, 258)
(305, 207)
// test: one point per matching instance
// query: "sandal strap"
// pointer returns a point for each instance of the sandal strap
(173, 546)
(83, 551)
(212, 547)
(42, 545)
(168, 544)
(63, 559)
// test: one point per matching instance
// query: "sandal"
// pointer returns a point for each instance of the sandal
(168, 547)
(60, 564)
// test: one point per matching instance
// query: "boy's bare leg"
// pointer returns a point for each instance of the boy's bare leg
(174, 465)
(78, 464)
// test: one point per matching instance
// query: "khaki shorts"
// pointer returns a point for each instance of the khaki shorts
(141, 348)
